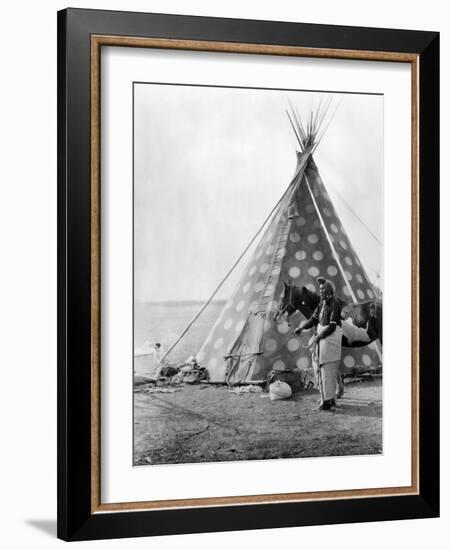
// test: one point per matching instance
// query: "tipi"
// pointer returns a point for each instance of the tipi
(303, 240)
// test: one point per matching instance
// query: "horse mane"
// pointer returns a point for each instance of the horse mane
(310, 293)
(309, 298)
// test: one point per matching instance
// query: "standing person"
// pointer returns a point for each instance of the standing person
(147, 359)
(158, 353)
(326, 344)
(158, 360)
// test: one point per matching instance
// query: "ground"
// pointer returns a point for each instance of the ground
(207, 423)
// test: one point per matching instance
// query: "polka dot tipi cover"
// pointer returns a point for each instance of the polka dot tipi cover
(246, 343)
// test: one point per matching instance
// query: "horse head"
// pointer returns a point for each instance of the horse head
(295, 299)
(286, 305)
(308, 300)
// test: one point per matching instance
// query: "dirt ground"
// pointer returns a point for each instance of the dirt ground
(207, 423)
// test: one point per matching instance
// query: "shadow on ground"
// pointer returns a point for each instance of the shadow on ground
(46, 526)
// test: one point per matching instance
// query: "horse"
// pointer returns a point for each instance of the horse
(367, 315)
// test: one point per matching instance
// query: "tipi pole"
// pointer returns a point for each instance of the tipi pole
(320, 137)
(294, 130)
(329, 240)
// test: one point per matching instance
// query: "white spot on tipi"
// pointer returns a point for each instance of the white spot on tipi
(283, 327)
(302, 363)
(240, 305)
(271, 345)
(246, 287)
(366, 359)
(300, 221)
(300, 255)
(313, 271)
(278, 365)
(294, 272)
(212, 363)
(293, 344)
(360, 294)
(318, 255)
(264, 268)
(313, 238)
(349, 361)
(332, 270)
(228, 324)
(295, 237)
(270, 250)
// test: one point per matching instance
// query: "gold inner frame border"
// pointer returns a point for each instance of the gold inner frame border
(97, 41)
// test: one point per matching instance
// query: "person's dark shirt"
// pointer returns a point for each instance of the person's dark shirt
(327, 313)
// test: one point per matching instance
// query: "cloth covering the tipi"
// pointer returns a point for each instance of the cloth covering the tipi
(303, 240)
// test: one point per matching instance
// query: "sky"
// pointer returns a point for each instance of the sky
(210, 163)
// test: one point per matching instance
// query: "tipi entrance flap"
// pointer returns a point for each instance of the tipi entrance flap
(241, 360)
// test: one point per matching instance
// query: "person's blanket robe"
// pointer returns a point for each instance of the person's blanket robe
(353, 333)
(326, 359)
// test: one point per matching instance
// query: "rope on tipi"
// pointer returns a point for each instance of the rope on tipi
(334, 190)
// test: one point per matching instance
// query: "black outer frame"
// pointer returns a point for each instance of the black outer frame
(75, 520)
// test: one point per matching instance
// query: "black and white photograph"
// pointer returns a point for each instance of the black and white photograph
(258, 274)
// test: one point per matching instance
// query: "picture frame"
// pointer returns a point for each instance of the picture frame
(81, 35)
